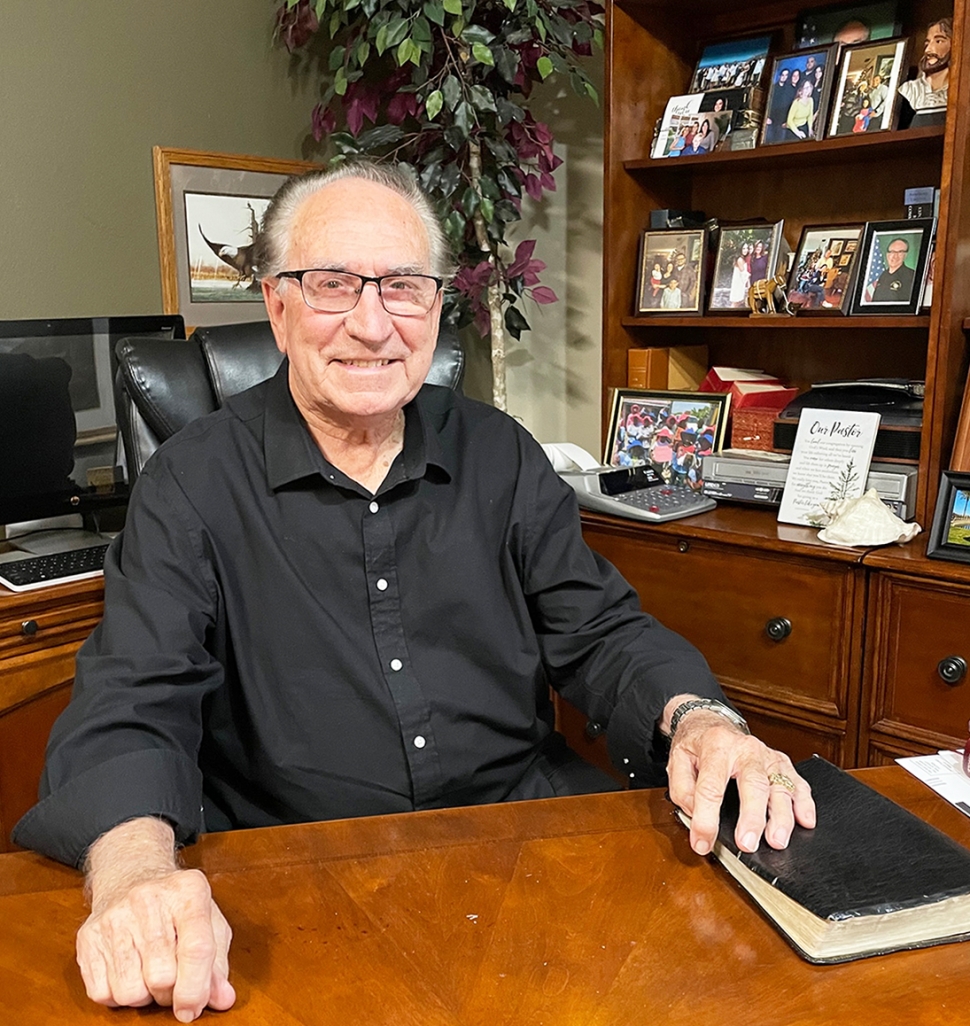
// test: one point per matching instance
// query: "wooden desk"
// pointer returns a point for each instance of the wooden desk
(587, 911)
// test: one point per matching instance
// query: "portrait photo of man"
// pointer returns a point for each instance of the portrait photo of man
(895, 259)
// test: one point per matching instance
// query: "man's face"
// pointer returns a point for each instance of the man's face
(896, 254)
(354, 368)
(936, 50)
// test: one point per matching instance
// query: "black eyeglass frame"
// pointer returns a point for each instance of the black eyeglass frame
(364, 279)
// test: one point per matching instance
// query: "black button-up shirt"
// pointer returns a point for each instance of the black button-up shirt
(281, 645)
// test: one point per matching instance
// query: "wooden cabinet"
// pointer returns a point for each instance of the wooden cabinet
(40, 633)
(721, 578)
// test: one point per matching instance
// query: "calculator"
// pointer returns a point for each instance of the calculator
(637, 492)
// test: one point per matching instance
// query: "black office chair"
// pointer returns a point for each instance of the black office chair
(163, 384)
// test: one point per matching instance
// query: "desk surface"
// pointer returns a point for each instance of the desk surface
(584, 911)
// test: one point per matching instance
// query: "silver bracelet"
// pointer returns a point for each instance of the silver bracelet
(714, 706)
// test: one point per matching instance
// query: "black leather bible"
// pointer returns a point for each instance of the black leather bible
(869, 879)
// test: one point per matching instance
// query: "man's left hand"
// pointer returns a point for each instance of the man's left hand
(707, 751)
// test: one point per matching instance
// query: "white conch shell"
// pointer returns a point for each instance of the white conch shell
(867, 521)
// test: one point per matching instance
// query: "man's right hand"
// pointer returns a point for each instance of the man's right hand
(154, 933)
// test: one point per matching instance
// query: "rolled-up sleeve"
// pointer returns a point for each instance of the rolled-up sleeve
(127, 744)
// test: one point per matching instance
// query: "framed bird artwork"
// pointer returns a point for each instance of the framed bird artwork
(209, 207)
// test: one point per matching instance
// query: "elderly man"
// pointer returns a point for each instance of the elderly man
(345, 594)
(895, 284)
(928, 91)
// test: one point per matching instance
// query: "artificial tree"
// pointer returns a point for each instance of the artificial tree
(444, 86)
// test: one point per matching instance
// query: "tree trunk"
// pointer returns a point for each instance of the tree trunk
(496, 320)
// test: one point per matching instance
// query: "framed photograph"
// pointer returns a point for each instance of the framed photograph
(671, 275)
(926, 300)
(731, 63)
(851, 23)
(208, 207)
(821, 275)
(798, 96)
(745, 254)
(669, 431)
(950, 534)
(692, 125)
(866, 90)
(893, 257)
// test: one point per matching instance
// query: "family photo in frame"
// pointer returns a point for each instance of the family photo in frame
(798, 96)
(668, 431)
(821, 275)
(745, 254)
(731, 63)
(950, 534)
(894, 256)
(671, 272)
(866, 92)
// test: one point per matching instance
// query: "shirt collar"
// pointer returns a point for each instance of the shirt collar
(291, 453)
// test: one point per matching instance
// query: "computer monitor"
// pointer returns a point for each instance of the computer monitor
(58, 437)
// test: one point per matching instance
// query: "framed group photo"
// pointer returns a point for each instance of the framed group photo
(745, 254)
(208, 207)
(693, 125)
(798, 96)
(893, 258)
(950, 534)
(668, 431)
(865, 94)
(671, 272)
(731, 63)
(821, 275)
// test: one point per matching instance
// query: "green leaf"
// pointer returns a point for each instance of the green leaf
(433, 104)
(380, 136)
(481, 98)
(403, 53)
(477, 34)
(381, 41)
(599, 38)
(515, 322)
(434, 11)
(451, 88)
(455, 227)
(340, 82)
(452, 6)
(464, 118)
(336, 20)
(421, 32)
(507, 62)
(483, 55)
(544, 67)
(592, 93)
(337, 55)
(450, 179)
(510, 4)
(397, 30)
(470, 202)
(363, 52)
(488, 209)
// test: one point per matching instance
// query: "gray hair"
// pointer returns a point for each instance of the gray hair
(272, 243)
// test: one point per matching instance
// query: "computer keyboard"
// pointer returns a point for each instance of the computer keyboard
(54, 568)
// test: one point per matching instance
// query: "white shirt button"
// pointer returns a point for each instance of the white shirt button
(396, 664)
(374, 507)
(419, 742)
(382, 585)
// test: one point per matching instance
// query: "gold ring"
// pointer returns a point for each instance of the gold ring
(782, 781)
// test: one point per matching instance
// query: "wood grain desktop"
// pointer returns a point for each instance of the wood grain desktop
(587, 911)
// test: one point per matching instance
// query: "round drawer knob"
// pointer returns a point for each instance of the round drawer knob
(778, 628)
(592, 730)
(29, 627)
(952, 669)
(683, 546)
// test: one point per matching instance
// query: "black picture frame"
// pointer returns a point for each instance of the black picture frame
(816, 26)
(852, 109)
(668, 430)
(876, 281)
(822, 273)
(781, 95)
(949, 538)
(663, 250)
(727, 292)
(732, 63)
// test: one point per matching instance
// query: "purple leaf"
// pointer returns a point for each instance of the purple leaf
(543, 294)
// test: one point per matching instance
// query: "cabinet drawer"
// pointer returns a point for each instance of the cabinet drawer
(918, 689)
(41, 625)
(772, 627)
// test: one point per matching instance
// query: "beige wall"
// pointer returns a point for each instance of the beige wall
(88, 88)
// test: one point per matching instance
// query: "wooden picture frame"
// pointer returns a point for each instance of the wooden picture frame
(855, 107)
(815, 69)
(670, 431)
(729, 290)
(730, 63)
(821, 278)
(230, 191)
(949, 537)
(877, 280)
(666, 257)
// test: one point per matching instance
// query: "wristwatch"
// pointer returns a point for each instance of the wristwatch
(714, 706)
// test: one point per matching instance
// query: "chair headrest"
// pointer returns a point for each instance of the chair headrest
(238, 356)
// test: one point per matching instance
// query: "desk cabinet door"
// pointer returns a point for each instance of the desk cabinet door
(917, 691)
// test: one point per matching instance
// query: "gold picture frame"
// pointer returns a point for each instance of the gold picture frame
(220, 287)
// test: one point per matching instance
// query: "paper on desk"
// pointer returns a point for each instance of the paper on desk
(944, 773)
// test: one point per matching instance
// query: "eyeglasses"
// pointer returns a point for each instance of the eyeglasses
(898, 252)
(404, 295)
